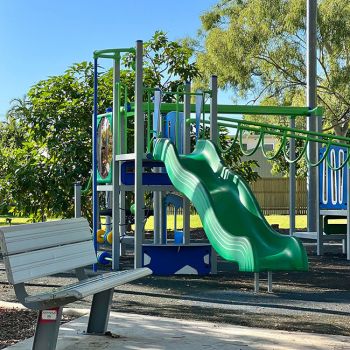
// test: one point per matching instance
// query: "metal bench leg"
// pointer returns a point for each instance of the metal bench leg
(99, 313)
(47, 327)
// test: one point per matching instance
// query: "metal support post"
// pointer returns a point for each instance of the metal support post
(108, 221)
(157, 195)
(77, 200)
(319, 218)
(122, 207)
(292, 182)
(187, 150)
(139, 154)
(214, 262)
(311, 95)
(256, 282)
(214, 136)
(348, 213)
(115, 169)
(214, 131)
(187, 115)
(162, 223)
(269, 281)
(319, 242)
(94, 160)
(157, 214)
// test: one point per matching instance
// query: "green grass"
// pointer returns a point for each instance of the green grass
(15, 220)
(281, 220)
(18, 221)
(194, 221)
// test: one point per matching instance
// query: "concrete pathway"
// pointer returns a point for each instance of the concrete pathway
(139, 332)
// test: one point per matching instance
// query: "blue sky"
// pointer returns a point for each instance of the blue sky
(40, 38)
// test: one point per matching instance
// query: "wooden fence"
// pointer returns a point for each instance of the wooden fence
(273, 196)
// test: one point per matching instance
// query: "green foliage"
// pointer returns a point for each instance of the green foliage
(281, 166)
(52, 148)
(232, 158)
(46, 142)
(167, 64)
(45, 145)
(258, 48)
(231, 154)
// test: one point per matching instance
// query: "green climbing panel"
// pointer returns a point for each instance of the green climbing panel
(229, 212)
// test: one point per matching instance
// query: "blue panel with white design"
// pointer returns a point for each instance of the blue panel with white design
(333, 183)
(172, 259)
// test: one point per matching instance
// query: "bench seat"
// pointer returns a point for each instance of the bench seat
(44, 249)
(89, 286)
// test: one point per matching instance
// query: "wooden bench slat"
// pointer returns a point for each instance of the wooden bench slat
(31, 265)
(92, 285)
(24, 238)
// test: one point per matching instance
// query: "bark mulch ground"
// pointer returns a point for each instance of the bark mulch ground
(18, 324)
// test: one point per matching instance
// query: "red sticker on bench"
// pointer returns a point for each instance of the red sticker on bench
(49, 315)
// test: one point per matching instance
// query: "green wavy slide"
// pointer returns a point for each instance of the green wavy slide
(230, 214)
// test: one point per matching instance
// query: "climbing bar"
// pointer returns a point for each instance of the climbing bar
(296, 159)
(268, 110)
(256, 126)
(87, 188)
(283, 132)
(112, 53)
(180, 91)
(251, 152)
(241, 109)
(280, 149)
(325, 154)
(186, 93)
(233, 141)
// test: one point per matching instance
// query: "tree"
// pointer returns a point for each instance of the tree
(167, 64)
(54, 151)
(45, 146)
(46, 142)
(232, 158)
(258, 48)
(231, 154)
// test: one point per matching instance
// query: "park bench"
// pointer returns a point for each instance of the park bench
(43, 249)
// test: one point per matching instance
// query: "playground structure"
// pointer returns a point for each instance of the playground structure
(172, 121)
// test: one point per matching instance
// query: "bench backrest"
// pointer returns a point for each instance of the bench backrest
(36, 250)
